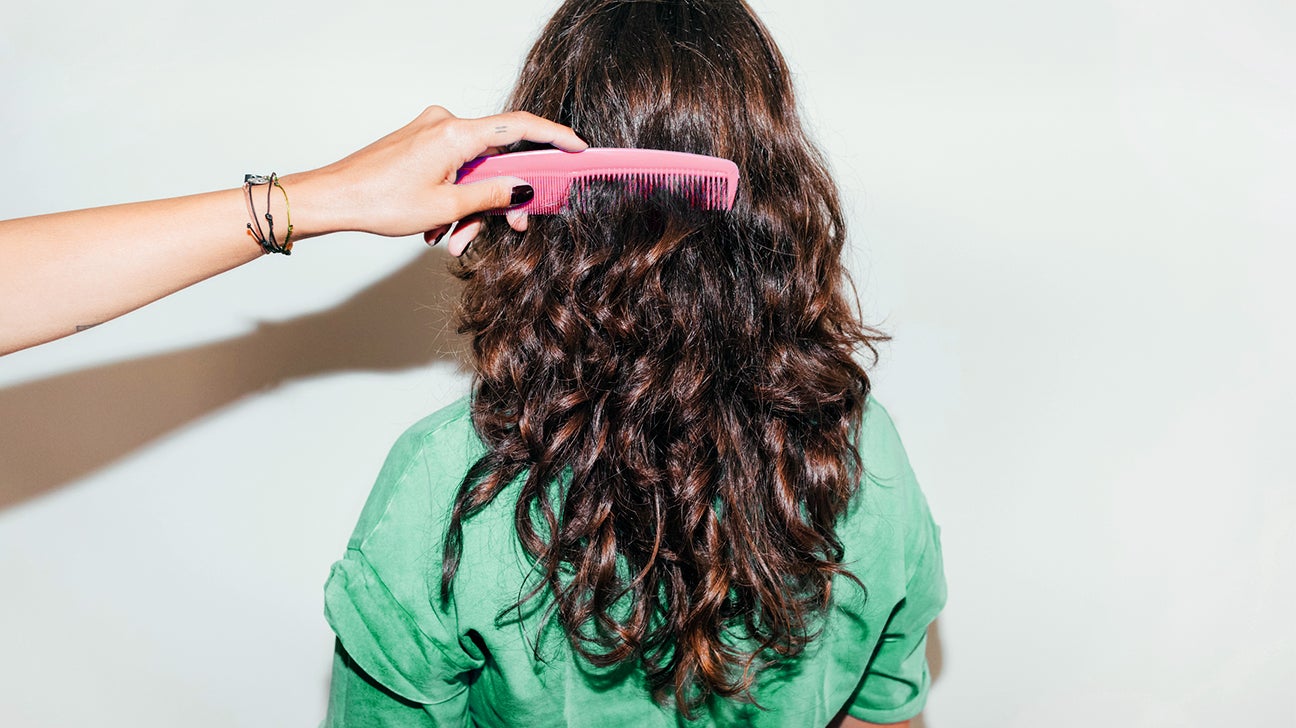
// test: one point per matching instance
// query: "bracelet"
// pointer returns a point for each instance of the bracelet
(265, 240)
(287, 243)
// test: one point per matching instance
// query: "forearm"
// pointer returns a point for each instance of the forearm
(64, 272)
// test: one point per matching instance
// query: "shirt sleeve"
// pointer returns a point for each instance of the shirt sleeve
(895, 684)
(399, 660)
(355, 699)
(392, 660)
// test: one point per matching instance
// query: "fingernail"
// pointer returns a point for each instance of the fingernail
(522, 193)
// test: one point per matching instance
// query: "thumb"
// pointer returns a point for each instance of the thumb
(495, 193)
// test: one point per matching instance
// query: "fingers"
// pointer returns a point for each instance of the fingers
(459, 235)
(467, 230)
(495, 193)
(433, 236)
(503, 129)
(472, 199)
(517, 219)
(463, 234)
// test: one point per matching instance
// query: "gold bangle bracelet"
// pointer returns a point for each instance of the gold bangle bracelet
(287, 243)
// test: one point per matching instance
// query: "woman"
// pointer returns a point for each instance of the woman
(670, 497)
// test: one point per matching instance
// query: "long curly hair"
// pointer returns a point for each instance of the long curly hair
(676, 389)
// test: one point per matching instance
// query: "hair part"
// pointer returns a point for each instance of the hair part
(676, 390)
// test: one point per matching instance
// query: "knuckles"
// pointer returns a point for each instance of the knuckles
(435, 112)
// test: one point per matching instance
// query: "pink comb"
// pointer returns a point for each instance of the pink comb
(710, 183)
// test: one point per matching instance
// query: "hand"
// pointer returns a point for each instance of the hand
(404, 183)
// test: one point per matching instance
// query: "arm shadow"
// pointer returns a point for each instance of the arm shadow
(56, 430)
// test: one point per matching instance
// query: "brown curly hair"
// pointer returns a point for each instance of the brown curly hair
(677, 389)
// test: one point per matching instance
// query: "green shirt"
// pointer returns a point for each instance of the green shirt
(404, 660)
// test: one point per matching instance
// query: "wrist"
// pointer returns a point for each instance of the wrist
(310, 200)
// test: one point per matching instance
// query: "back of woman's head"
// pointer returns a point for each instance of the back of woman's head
(676, 388)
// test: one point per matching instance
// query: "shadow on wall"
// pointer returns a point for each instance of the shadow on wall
(59, 429)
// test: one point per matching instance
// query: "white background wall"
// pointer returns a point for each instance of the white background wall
(1075, 217)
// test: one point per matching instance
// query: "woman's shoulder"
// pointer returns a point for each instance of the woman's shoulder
(881, 451)
(422, 471)
(890, 514)
(448, 430)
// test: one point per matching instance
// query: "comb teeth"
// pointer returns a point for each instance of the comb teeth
(703, 191)
(708, 183)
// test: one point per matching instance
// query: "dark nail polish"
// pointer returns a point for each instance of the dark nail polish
(521, 194)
